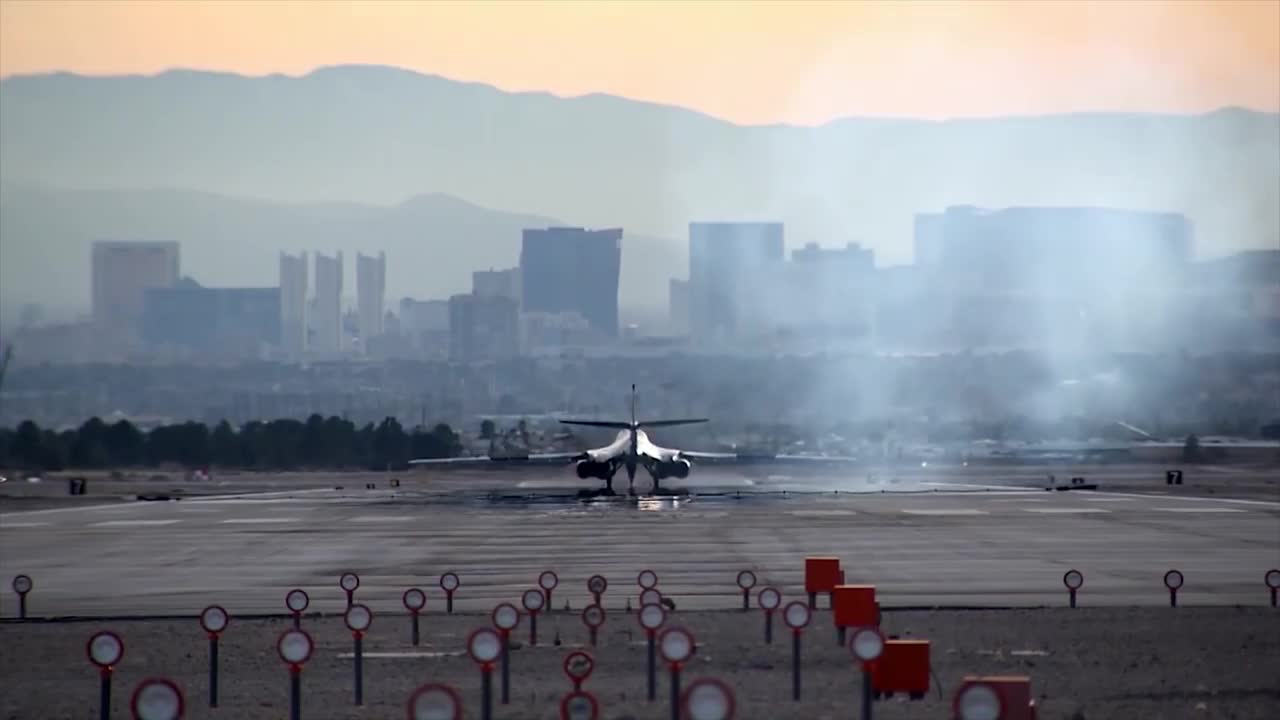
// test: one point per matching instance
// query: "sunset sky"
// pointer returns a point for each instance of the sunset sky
(749, 62)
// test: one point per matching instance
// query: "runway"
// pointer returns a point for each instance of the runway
(925, 540)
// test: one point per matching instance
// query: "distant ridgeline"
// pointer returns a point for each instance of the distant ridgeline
(277, 445)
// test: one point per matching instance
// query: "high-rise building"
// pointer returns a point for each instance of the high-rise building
(326, 321)
(497, 283)
(1032, 247)
(122, 272)
(723, 257)
(678, 306)
(239, 323)
(371, 290)
(293, 304)
(483, 328)
(566, 269)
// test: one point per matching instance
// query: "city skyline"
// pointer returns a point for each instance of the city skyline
(748, 63)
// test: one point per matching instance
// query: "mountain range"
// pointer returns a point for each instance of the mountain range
(368, 157)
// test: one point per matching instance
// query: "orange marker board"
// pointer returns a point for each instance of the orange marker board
(821, 574)
(902, 668)
(855, 606)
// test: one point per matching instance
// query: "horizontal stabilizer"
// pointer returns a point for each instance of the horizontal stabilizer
(599, 423)
(672, 423)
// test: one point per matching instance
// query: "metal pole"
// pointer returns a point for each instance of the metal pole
(593, 636)
(533, 629)
(675, 692)
(840, 637)
(866, 693)
(415, 629)
(506, 667)
(1273, 597)
(547, 593)
(213, 671)
(359, 669)
(350, 599)
(448, 602)
(295, 692)
(104, 695)
(22, 605)
(746, 600)
(813, 601)
(795, 665)
(653, 683)
(768, 628)
(1073, 598)
(297, 621)
(486, 694)
(1173, 598)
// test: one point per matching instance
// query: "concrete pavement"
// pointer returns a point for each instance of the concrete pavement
(953, 539)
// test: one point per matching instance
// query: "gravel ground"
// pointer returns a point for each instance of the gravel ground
(1088, 663)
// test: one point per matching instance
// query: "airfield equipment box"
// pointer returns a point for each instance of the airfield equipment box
(821, 574)
(855, 606)
(902, 668)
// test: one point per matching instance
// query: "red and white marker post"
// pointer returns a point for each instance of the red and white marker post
(22, 585)
(105, 649)
(1272, 579)
(415, 601)
(358, 619)
(1074, 580)
(157, 699)
(797, 616)
(708, 699)
(677, 647)
(548, 581)
(349, 582)
(769, 600)
(485, 646)
(532, 602)
(294, 647)
(866, 644)
(505, 618)
(651, 618)
(577, 667)
(593, 618)
(449, 582)
(296, 601)
(1173, 580)
(214, 620)
(596, 585)
(435, 701)
(746, 580)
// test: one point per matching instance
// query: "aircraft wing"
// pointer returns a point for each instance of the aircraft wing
(720, 457)
(534, 459)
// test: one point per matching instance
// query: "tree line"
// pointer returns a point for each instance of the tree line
(319, 442)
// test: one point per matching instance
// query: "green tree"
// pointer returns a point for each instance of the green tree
(224, 446)
(487, 429)
(88, 448)
(27, 444)
(124, 444)
(1191, 449)
(390, 444)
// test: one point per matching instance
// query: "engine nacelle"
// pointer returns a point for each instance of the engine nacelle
(678, 468)
(592, 469)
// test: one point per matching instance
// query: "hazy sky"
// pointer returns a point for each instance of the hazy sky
(750, 62)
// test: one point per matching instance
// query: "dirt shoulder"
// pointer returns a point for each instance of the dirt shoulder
(1087, 663)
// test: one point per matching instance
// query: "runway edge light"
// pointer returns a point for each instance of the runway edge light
(996, 697)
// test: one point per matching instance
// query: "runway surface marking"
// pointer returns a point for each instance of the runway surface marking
(1108, 499)
(5, 526)
(381, 518)
(257, 521)
(130, 523)
(820, 513)
(945, 511)
(1198, 510)
(1065, 511)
